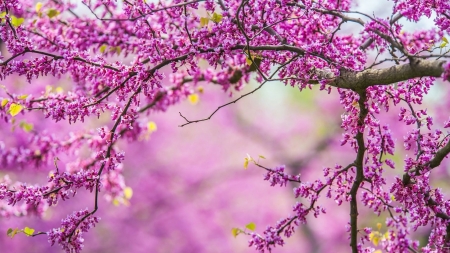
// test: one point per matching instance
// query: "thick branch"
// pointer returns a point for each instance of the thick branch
(359, 174)
(386, 76)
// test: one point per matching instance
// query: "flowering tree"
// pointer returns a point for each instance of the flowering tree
(123, 61)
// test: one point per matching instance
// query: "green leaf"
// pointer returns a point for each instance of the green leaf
(27, 127)
(103, 48)
(237, 75)
(12, 232)
(216, 18)
(248, 61)
(15, 109)
(204, 22)
(235, 232)
(444, 39)
(251, 226)
(260, 156)
(52, 13)
(118, 50)
(16, 21)
(28, 231)
(255, 65)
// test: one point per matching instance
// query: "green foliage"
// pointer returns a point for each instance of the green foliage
(235, 232)
(52, 13)
(251, 226)
(16, 22)
(15, 109)
(27, 127)
(216, 18)
(204, 22)
(28, 231)
(103, 48)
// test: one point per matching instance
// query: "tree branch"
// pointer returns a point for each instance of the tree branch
(359, 163)
(370, 77)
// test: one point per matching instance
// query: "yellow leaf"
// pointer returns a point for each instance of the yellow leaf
(245, 163)
(15, 109)
(116, 202)
(16, 21)
(28, 231)
(38, 6)
(118, 50)
(128, 192)
(216, 18)
(251, 226)
(378, 251)
(103, 48)
(59, 90)
(248, 61)
(4, 102)
(379, 226)
(193, 98)
(443, 44)
(27, 127)
(151, 126)
(260, 156)
(376, 240)
(235, 231)
(22, 97)
(3, 14)
(52, 13)
(392, 197)
(445, 39)
(375, 237)
(200, 89)
(204, 22)
(255, 64)
(386, 235)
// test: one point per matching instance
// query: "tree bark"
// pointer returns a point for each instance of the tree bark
(386, 76)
